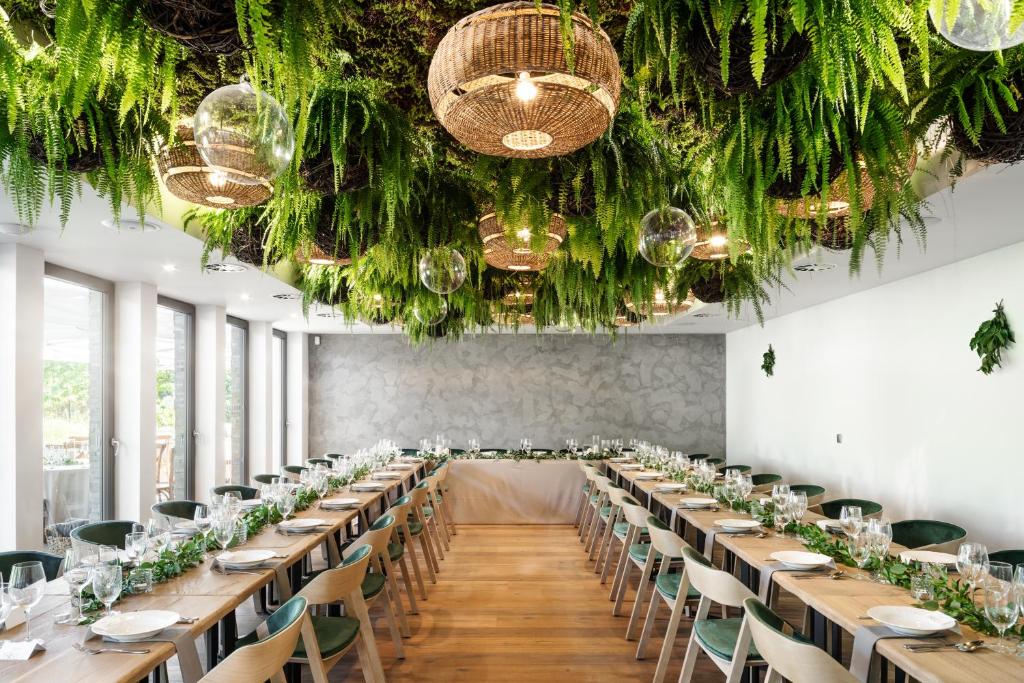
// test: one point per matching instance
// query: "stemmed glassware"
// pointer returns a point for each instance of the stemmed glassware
(1018, 592)
(797, 505)
(879, 536)
(224, 530)
(135, 546)
(75, 571)
(474, 446)
(572, 445)
(780, 498)
(526, 445)
(159, 535)
(972, 563)
(851, 520)
(860, 551)
(1000, 601)
(106, 584)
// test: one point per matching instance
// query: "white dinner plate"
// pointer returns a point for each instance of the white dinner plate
(387, 475)
(410, 458)
(737, 524)
(339, 503)
(670, 487)
(240, 559)
(911, 621)
(621, 459)
(400, 466)
(829, 525)
(128, 627)
(302, 523)
(799, 559)
(634, 466)
(696, 502)
(368, 486)
(929, 556)
(641, 476)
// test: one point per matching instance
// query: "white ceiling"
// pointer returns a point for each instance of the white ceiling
(976, 217)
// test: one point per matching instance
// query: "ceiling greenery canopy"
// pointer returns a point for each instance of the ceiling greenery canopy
(775, 125)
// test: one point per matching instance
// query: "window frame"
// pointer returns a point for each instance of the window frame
(190, 410)
(283, 336)
(243, 325)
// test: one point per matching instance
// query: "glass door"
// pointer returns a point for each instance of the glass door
(235, 400)
(175, 399)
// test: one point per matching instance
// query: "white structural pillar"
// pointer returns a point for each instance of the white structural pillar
(261, 412)
(298, 398)
(21, 397)
(134, 399)
(210, 374)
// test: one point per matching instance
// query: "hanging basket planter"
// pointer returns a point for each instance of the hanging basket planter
(791, 188)
(186, 176)
(500, 83)
(780, 61)
(710, 290)
(76, 159)
(326, 249)
(207, 27)
(713, 243)
(318, 174)
(247, 245)
(516, 254)
(993, 146)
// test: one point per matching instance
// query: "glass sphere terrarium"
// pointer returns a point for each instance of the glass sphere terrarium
(244, 133)
(442, 270)
(667, 236)
(979, 25)
(430, 313)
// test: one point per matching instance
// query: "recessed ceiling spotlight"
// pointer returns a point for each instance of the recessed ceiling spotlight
(287, 296)
(170, 268)
(128, 225)
(245, 296)
(223, 267)
(15, 229)
(814, 267)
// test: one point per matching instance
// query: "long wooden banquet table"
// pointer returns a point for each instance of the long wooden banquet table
(201, 593)
(834, 605)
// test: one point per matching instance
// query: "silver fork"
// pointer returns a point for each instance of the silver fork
(98, 650)
(221, 570)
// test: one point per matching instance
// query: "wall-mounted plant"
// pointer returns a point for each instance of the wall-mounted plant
(991, 338)
(768, 362)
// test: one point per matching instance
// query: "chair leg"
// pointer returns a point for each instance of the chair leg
(396, 636)
(670, 638)
(641, 591)
(645, 634)
(391, 589)
(623, 585)
(605, 542)
(366, 645)
(579, 508)
(407, 580)
(434, 541)
(585, 524)
(620, 567)
(593, 533)
(692, 652)
(415, 561)
(428, 550)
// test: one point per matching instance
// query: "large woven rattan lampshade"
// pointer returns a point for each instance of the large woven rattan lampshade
(713, 243)
(515, 254)
(186, 176)
(662, 306)
(500, 84)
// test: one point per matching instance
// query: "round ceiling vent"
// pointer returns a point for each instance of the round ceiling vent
(126, 225)
(287, 296)
(814, 267)
(223, 267)
(703, 314)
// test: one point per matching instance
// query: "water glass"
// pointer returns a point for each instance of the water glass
(141, 580)
(972, 563)
(26, 587)
(851, 520)
(1000, 600)
(797, 505)
(860, 551)
(75, 571)
(106, 585)
(135, 546)
(922, 588)
(224, 530)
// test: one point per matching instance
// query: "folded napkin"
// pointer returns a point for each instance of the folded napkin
(864, 641)
(184, 645)
(766, 576)
(709, 542)
(20, 650)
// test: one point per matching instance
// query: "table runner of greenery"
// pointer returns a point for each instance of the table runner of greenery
(520, 454)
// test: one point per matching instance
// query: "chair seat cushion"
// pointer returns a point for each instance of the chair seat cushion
(427, 511)
(593, 497)
(606, 511)
(395, 551)
(621, 528)
(372, 585)
(639, 551)
(333, 634)
(668, 584)
(415, 528)
(718, 636)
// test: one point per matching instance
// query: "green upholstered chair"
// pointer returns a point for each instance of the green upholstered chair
(245, 492)
(832, 508)
(815, 494)
(699, 456)
(261, 659)
(715, 461)
(327, 462)
(789, 654)
(763, 482)
(927, 534)
(457, 451)
(1013, 557)
(293, 471)
(178, 509)
(50, 562)
(111, 532)
(265, 478)
(741, 468)
(334, 456)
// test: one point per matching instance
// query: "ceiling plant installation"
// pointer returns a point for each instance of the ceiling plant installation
(455, 167)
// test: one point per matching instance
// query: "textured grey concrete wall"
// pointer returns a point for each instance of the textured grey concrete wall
(669, 389)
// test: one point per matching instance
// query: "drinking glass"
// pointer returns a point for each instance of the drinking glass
(972, 563)
(851, 519)
(5, 603)
(596, 441)
(474, 446)
(286, 504)
(747, 485)
(879, 533)
(25, 589)
(76, 574)
(860, 552)
(921, 587)
(106, 585)
(780, 496)
(224, 530)
(1000, 601)
(1018, 591)
(797, 505)
(201, 518)
(135, 545)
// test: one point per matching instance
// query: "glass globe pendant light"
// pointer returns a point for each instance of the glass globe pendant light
(979, 25)
(429, 314)
(442, 270)
(244, 133)
(667, 236)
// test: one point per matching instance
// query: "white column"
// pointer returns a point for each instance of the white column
(298, 398)
(21, 397)
(134, 399)
(210, 374)
(261, 414)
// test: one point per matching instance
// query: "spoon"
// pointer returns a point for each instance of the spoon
(966, 646)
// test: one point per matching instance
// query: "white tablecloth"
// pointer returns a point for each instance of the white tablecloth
(510, 492)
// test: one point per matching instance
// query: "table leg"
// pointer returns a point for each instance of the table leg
(837, 643)
(229, 632)
(819, 629)
(212, 646)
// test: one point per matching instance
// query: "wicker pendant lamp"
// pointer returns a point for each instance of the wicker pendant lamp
(500, 84)
(713, 242)
(515, 254)
(186, 176)
(662, 306)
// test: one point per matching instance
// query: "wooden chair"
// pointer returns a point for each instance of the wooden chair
(173, 511)
(634, 553)
(433, 512)
(764, 482)
(928, 534)
(741, 468)
(336, 635)
(584, 492)
(441, 500)
(833, 508)
(396, 549)
(600, 520)
(265, 478)
(420, 514)
(262, 655)
(327, 462)
(727, 642)
(416, 527)
(668, 586)
(615, 529)
(379, 580)
(589, 509)
(789, 656)
(293, 471)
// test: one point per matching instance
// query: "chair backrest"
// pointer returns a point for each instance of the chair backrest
(321, 461)
(699, 456)
(176, 509)
(635, 514)
(741, 468)
(795, 660)
(334, 456)
(617, 494)
(602, 482)
(246, 492)
(715, 461)
(50, 562)
(665, 541)
(868, 508)
(764, 482)
(928, 534)
(111, 532)
(815, 494)
(377, 537)
(714, 584)
(419, 492)
(264, 659)
(1013, 557)
(336, 584)
(293, 471)
(265, 478)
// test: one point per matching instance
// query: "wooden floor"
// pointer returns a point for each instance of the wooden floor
(519, 603)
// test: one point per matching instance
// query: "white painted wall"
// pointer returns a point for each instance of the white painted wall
(890, 369)
(261, 418)
(298, 398)
(210, 372)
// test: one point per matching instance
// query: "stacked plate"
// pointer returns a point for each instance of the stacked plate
(697, 503)
(829, 526)
(799, 559)
(737, 525)
(622, 458)
(911, 621)
(244, 559)
(387, 475)
(634, 466)
(647, 476)
(400, 466)
(339, 503)
(367, 486)
(131, 627)
(670, 487)
(927, 557)
(302, 525)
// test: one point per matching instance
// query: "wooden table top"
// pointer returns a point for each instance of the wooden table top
(844, 602)
(200, 592)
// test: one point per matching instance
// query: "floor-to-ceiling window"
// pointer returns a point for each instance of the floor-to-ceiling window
(77, 397)
(235, 390)
(279, 399)
(175, 372)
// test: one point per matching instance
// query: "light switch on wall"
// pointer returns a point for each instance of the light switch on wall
(839, 438)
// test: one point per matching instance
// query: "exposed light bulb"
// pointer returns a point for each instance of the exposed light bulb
(659, 296)
(218, 179)
(525, 89)
(718, 240)
(170, 268)
(524, 234)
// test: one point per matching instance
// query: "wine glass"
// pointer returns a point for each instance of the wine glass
(474, 446)
(798, 505)
(860, 552)
(879, 533)
(106, 585)
(223, 530)
(75, 571)
(286, 504)
(972, 563)
(851, 519)
(1000, 601)
(25, 589)
(780, 496)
